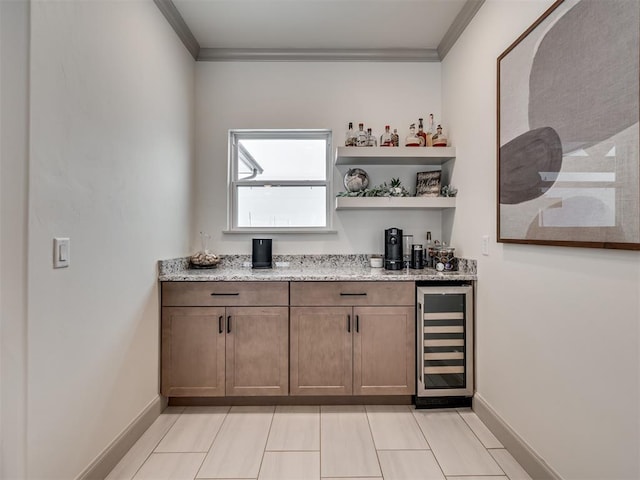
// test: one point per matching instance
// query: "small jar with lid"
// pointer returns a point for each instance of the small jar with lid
(444, 258)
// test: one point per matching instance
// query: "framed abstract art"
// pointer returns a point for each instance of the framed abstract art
(568, 129)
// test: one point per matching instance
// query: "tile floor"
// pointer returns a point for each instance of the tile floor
(317, 442)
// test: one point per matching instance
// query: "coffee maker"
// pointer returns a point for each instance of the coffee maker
(393, 249)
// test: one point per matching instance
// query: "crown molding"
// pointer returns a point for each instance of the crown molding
(318, 55)
(171, 13)
(458, 26)
(464, 17)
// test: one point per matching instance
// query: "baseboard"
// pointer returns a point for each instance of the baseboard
(535, 466)
(113, 453)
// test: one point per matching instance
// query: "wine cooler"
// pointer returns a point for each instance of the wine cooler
(444, 344)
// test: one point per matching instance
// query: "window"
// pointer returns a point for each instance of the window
(279, 180)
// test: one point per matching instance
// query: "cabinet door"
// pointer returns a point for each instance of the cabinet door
(321, 350)
(384, 351)
(192, 351)
(257, 351)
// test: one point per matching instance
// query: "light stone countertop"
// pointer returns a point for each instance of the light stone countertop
(305, 268)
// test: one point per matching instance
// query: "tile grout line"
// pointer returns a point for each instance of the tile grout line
(434, 453)
(483, 446)
(496, 460)
(320, 439)
(212, 442)
(264, 449)
(192, 451)
(219, 429)
(373, 439)
(429, 445)
(475, 434)
(422, 432)
(157, 443)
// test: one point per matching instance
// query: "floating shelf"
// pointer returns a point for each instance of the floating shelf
(436, 203)
(394, 155)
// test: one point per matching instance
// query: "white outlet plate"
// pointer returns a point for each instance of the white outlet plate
(485, 245)
(61, 252)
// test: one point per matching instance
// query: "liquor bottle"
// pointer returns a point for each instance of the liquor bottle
(386, 139)
(421, 134)
(371, 139)
(430, 131)
(427, 252)
(439, 140)
(361, 137)
(412, 140)
(395, 138)
(350, 140)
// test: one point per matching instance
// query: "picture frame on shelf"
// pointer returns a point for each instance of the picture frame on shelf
(428, 184)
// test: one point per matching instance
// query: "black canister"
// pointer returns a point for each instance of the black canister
(416, 257)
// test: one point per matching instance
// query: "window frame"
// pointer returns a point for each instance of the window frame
(235, 135)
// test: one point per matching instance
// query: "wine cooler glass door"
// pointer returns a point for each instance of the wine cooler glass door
(445, 343)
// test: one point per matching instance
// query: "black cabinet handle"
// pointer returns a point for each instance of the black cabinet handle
(349, 323)
(229, 324)
(220, 320)
(215, 294)
(357, 323)
(343, 294)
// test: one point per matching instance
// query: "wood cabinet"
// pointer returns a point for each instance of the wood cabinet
(226, 349)
(193, 352)
(383, 351)
(257, 351)
(365, 346)
(243, 339)
(321, 351)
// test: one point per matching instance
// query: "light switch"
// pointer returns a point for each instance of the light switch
(61, 252)
(485, 245)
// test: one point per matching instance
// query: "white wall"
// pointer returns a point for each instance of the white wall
(310, 95)
(557, 328)
(14, 80)
(111, 167)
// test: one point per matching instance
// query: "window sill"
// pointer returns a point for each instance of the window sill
(319, 231)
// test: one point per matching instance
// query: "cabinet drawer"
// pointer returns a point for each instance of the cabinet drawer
(213, 294)
(352, 293)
